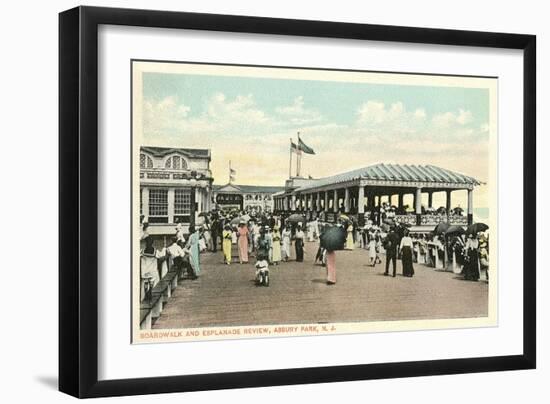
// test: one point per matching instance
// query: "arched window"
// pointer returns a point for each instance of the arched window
(145, 161)
(176, 163)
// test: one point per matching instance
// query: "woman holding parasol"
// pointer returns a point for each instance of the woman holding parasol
(471, 264)
(332, 239)
(455, 247)
(286, 241)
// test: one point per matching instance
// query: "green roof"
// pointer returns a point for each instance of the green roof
(398, 173)
(252, 188)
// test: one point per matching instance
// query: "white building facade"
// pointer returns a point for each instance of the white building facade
(249, 198)
(175, 187)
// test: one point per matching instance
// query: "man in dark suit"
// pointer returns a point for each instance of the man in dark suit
(391, 243)
(215, 231)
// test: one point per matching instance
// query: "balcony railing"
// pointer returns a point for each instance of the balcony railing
(431, 220)
(161, 174)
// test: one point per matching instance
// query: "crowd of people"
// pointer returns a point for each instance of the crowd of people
(178, 253)
(273, 240)
(386, 211)
(464, 253)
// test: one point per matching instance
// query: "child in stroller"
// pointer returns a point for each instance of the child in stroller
(262, 271)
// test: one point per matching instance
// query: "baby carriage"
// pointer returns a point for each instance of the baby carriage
(262, 271)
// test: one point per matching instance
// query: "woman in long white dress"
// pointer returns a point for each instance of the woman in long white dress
(349, 239)
(276, 246)
(372, 250)
(286, 236)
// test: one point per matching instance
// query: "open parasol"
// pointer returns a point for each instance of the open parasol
(237, 220)
(441, 228)
(455, 230)
(333, 238)
(476, 228)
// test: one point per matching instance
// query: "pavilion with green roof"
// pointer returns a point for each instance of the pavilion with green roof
(362, 189)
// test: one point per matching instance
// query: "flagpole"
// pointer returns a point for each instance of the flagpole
(298, 158)
(230, 171)
(290, 161)
(298, 162)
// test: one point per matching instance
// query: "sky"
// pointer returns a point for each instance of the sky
(249, 120)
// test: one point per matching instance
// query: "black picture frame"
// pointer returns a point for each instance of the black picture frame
(78, 200)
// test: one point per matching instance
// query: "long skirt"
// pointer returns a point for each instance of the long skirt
(349, 241)
(227, 249)
(243, 249)
(407, 262)
(471, 267)
(372, 251)
(207, 239)
(286, 250)
(457, 265)
(276, 252)
(439, 259)
(194, 260)
(299, 250)
(149, 268)
(331, 266)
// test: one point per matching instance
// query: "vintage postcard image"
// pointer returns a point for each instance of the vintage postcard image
(283, 201)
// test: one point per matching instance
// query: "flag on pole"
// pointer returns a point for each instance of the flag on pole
(293, 147)
(232, 173)
(304, 147)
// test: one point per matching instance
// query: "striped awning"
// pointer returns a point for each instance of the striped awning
(398, 173)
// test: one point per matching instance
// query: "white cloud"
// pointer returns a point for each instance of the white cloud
(371, 112)
(297, 114)
(420, 113)
(238, 112)
(237, 128)
(171, 118)
(448, 119)
(464, 117)
(163, 116)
